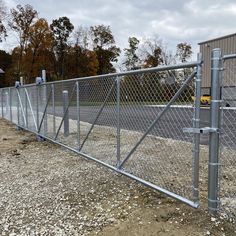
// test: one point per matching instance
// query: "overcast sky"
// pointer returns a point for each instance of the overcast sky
(173, 20)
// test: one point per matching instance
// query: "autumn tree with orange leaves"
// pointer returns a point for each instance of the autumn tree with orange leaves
(22, 17)
(38, 54)
(91, 51)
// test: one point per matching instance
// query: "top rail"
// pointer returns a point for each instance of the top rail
(230, 56)
(133, 72)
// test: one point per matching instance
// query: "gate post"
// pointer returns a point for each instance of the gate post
(78, 113)
(38, 81)
(7, 103)
(213, 165)
(2, 102)
(17, 85)
(45, 97)
(10, 103)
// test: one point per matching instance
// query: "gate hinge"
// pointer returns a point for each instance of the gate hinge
(204, 130)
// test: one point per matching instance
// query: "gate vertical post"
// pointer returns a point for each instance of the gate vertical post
(118, 119)
(213, 165)
(65, 105)
(196, 124)
(78, 113)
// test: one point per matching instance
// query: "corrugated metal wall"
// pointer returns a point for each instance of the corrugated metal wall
(228, 46)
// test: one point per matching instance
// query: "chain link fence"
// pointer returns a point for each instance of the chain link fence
(228, 141)
(134, 122)
(130, 122)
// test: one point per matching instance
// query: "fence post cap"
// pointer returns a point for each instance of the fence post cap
(17, 84)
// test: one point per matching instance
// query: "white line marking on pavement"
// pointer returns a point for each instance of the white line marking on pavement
(189, 106)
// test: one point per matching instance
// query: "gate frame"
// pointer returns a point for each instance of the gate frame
(117, 77)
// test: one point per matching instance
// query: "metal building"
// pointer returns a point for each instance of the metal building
(227, 44)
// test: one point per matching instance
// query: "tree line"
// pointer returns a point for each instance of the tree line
(68, 52)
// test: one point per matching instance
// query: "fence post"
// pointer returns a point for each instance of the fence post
(196, 124)
(65, 105)
(2, 103)
(53, 110)
(26, 111)
(45, 123)
(78, 113)
(21, 81)
(38, 81)
(37, 102)
(7, 104)
(118, 119)
(213, 165)
(44, 76)
(10, 103)
(17, 85)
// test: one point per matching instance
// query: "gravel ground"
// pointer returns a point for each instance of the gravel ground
(47, 190)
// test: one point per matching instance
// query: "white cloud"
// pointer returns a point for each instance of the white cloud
(173, 20)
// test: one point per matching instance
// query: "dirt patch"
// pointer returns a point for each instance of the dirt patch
(46, 190)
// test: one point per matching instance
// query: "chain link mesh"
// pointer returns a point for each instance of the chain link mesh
(228, 142)
(106, 117)
(165, 155)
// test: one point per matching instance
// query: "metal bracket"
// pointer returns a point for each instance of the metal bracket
(204, 130)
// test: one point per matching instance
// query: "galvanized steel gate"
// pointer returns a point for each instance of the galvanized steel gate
(142, 124)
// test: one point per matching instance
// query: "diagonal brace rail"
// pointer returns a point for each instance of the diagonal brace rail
(99, 113)
(21, 106)
(159, 117)
(45, 109)
(30, 105)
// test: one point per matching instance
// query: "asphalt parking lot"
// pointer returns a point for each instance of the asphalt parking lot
(139, 118)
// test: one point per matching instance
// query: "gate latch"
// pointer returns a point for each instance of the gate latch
(204, 130)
